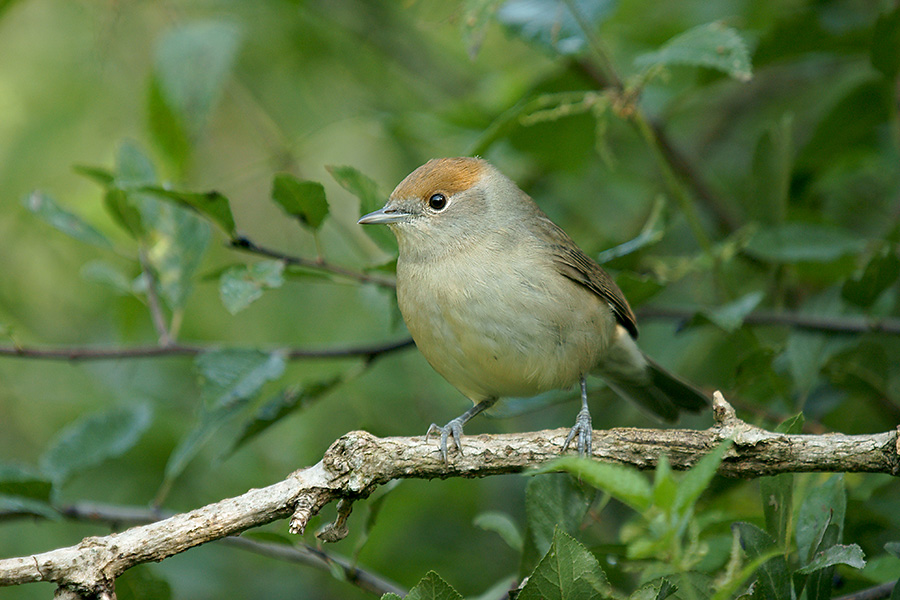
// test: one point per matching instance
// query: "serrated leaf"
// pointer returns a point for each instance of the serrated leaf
(24, 482)
(567, 572)
(697, 479)
(773, 577)
(850, 555)
(431, 587)
(824, 504)
(95, 438)
(235, 374)
(712, 45)
(192, 62)
(303, 200)
(240, 286)
(802, 242)
(880, 273)
(366, 190)
(551, 24)
(503, 525)
(730, 317)
(281, 405)
(625, 484)
(552, 501)
(885, 41)
(211, 204)
(72, 225)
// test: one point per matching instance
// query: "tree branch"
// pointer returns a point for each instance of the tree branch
(247, 245)
(81, 354)
(834, 323)
(357, 463)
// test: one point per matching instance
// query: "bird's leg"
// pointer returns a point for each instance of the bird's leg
(582, 426)
(454, 428)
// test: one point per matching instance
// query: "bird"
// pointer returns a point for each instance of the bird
(502, 302)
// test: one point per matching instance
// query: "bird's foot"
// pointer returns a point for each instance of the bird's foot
(584, 430)
(453, 429)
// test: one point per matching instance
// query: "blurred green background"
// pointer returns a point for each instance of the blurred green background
(792, 177)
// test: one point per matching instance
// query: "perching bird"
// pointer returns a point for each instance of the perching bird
(502, 303)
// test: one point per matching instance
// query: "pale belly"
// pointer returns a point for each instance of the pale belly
(504, 334)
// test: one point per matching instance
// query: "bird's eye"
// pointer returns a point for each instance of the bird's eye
(437, 201)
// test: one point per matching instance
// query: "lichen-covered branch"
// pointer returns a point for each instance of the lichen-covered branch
(357, 463)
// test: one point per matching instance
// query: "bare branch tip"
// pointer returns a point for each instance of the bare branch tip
(723, 412)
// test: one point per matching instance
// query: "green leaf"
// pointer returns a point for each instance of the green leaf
(885, 41)
(99, 175)
(95, 438)
(773, 577)
(501, 524)
(664, 485)
(240, 286)
(142, 583)
(824, 504)
(281, 405)
(303, 200)
(24, 482)
(772, 166)
(729, 317)
(192, 62)
(431, 587)
(235, 374)
(104, 273)
(51, 213)
(880, 273)
(211, 204)
(169, 135)
(625, 484)
(818, 584)
(551, 24)
(124, 212)
(851, 555)
(712, 45)
(791, 425)
(365, 188)
(777, 501)
(567, 572)
(176, 241)
(551, 501)
(802, 242)
(698, 477)
(20, 506)
(133, 167)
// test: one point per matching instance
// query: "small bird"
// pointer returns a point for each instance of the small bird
(502, 303)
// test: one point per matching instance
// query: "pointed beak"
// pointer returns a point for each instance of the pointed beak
(384, 215)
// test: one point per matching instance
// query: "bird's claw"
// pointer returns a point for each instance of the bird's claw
(453, 429)
(584, 430)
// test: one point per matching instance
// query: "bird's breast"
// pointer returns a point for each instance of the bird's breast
(502, 324)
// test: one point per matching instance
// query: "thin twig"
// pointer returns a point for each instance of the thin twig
(835, 324)
(83, 354)
(247, 245)
(877, 592)
(116, 516)
(156, 311)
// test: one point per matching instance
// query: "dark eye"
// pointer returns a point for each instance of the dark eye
(437, 201)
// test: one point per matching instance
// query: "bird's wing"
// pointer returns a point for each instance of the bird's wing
(578, 266)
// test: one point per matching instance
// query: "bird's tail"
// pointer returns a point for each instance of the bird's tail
(633, 375)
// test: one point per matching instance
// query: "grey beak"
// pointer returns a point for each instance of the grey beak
(383, 215)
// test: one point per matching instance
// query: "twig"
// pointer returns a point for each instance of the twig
(304, 554)
(247, 245)
(156, 311)
(877, 592)
(83, 354)
(836, 324)
(356, 464)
